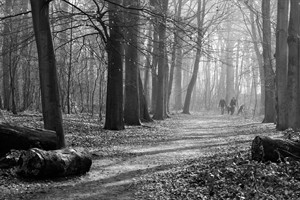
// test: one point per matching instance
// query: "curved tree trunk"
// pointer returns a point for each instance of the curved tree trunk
(200, 21)
(47, 68)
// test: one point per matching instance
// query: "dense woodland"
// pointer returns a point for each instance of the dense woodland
(136, 60)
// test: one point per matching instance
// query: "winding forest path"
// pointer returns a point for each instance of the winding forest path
(187, 137)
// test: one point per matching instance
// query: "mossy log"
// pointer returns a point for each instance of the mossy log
(274, 150)
(37, 163)
(24, 138)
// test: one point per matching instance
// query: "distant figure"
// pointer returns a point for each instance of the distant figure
(241, 109)
(223, 105)
(232, 105)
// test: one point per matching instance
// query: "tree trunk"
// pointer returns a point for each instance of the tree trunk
(36, 163)
(293, 67)
(200, 21)
(154, 70)
(148, 64)
(160, 100)
(229, 64)
(6, 57)
(144, 113)
(174, 54)
(23, 138)
(131, 109)
(114, 101)
(281, 64)
(275, 150)
(259, 60)
(69, 73)
(47, 68)
(268, 70)
(178, 75)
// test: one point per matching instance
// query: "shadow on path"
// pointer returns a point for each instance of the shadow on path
(192, 137)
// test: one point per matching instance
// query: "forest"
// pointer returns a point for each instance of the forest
(149, 99)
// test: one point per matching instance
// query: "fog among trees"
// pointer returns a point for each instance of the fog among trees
(128, 61)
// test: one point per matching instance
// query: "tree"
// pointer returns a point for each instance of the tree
(131, 109)
(293, 66)
(175, 53)
(114, 119)
(229, 62)
(268, 70)
(200, 22)
(159, 114)
(47, 69)
(281, 64)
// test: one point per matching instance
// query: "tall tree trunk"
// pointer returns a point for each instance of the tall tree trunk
(260, 61)
(293, 66)
(178, 74)
(229, 64)
(174, 53)
(281, 64)
(154, 69)
(131, 109)
(207, 86)
(114, 101)
(69, 73)
(268, 70)
(200, 21)
(6, 56)
(144, 113)
(160, 100)
(148, 64)
(47, 68)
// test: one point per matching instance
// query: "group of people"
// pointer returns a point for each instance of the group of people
(230, 108)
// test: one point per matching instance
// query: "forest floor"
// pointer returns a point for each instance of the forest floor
(198, 156)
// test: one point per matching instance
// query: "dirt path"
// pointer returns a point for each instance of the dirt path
(189, 137)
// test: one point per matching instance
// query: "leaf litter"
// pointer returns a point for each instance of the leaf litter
(219, 172)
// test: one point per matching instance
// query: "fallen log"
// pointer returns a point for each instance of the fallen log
(274, 150)
(37, 163)
(24, 138)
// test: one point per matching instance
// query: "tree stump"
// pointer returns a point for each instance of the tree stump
(24, 138)
(274, 150)
(37, 163)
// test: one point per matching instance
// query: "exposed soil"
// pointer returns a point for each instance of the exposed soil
(121, 158)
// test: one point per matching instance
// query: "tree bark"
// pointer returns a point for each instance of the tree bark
(293, 66)
(114, 119)
(268, 70)
(6, 57)
(144, 113)
(160, 99)
(174, 53)
(200, 21)
(275, 150)
(131, 109)
(259, 60)
(47, 68)
(178, 74)
(229, 64)
(23, 138)
(281, 64)
(36, 163)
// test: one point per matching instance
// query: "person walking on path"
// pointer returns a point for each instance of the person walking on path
(232, 105)
(222, 104)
